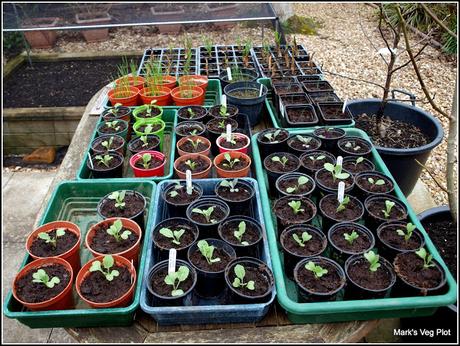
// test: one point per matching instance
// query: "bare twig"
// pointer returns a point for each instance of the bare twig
(355, 79)
(442, 187)
(409, 61)
(438, 21)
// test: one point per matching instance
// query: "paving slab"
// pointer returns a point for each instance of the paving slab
(420, 199)
(6, 176)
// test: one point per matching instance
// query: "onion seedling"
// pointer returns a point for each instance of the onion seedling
(104, 267)
(239, 280)
(40, 276)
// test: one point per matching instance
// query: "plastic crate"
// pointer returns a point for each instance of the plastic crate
(204, 314)
(76, 201)
(348, 310)
(159, 54)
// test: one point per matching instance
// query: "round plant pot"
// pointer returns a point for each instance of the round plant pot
(62, 300)
(294, 252)
(244, 75)
(161, 94)
(155, 279)
(299, 146)
(98, 149)
(402, 162)
(70, 254)
(181, 172)
(326, 184)
(225, 146)
(187, 96)
(195, 81)
(220, 213)
(136, 145)
(240, 202)
(252, 235)
(329, 137)
(189, 128)
(352, 165)
(267, 146)
(197, 113)
(137, 81)
(328, 207)
(115, 169)
(214, 111)
(104, 285)
(354, 146)
(158, 171)
(374, 219)
(286, 217)
(230, 173)
(313, 161)
(276, 169)
(157, 123)
(166, 81)
(120, 129)
(288, 185)
(177, 204)
(124, 96)
(365, 189)
(140, 114)
(185, 141)
(117, 113)
(216, 127)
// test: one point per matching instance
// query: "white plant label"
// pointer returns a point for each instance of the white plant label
(188, 178)
(281, 106)
(229, 73)
(172, 261)
(91, 161)
(261, 90)
(341, 192)
(223, 100)
(344, 105)
(339, 160)
(229, 132)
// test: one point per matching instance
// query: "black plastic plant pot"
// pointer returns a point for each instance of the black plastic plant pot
(285, 216)
(299, 144)
(254, 270)
(163, 243)
(357, 267)
(313, 161)
(244, 75)
(355, 165)
(407, 265)
(220, 213)
(155, 280)
(293, 252)
(189, 128)
(196, 113)
(214, 111)
(317, 86)
(267, 146)
(329, 137)
(214, 130)
(402, 162)
(288, 185)
(302, 276)
(137, 217)
(295, 99)
(285, 89)
(374, 206)
(178, 204)
(355, 146)
(301, 116)
(367, 183)
(211, 284)
(320, 179)
(118, 145)
(252, 237)
(103, 172)
(275, 169)
(284, 80)
(390, 243)
(341, 248)
(136, 145)
(238, 201)
(322, 97)
(332, 115)
(247, 97)
(308, 78)
(328, 208)
(122, 112)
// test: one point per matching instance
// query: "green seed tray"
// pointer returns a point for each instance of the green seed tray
(274, 114)
(76, 201)
(170, 118)
(335, 311)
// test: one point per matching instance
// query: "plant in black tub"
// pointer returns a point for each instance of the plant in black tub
(355, 165)
(355, 146)
(195, 113)
(144, 142)
(372, 183)
(109, 165)
(329, 137)
(295, 184)
(332, 211)
(243, 233)
(383, 208)
(271, 141)
(299, 144)
(276, 165)
(328, 178)
(313, 161)
(238, 194)
(292, 210)
(208, 213)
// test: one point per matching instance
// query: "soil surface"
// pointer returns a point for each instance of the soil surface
(329, 133)
(287, 89)
(444, 236)
(164, 290)
(154, 162)
(329, 204)
(99, 166)
(133, 205)
(325, 178)
(240, 142)
(358, 245)
(305, 115)
(392, 238)
(98, 289)
(143, 114)
(241, 164)
(243, 193)
(136, 145)
(327, 283)
(285, 212)
(410, 267)
(33, 292)
(213, 125)
(119, 113)
(218, 214)
(354, 146)
(359, 272)
(323, 97)
(112, 130)
(245, 93)
(105, 243)
(201, 165)
(259, 276)
(288, 100)
(155, 128)
(277, 167)
(315, 165)
(251, 235)
(316, 86)
(99, 148)
(284, 184)
(295, 143)
(199, 111)
(364, 183)
(231, 111)
(354, 168)
(182, 197)
(188, 147)
(331, 112)
(200, 261)
(174, 225)
(282, 136)
(186, 129)
(312, 247)
(40, 248)
(375, 208)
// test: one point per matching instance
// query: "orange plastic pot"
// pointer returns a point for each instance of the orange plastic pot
(222, 173)
(72, 255)
(194, 138)
(195, 80)
(200, 175)
(132, 253)
(163, 98)
(118, 95)
(187, 96)
(62, 301)
(122, 301)
(166, 81)
(137, 82)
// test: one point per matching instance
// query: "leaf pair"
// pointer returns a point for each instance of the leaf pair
(52, 240)
(119, 197)
(305, 237)
(174, 235)
(40, 276)
(115, 229)
(239, 233)
(207, 213)
(104, 267)
(207, 251)
(174, 280)
(336, 171)
(302, 180)
(240, 273)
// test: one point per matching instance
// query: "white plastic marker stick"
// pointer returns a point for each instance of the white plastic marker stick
(341, 192)
(172, 260)
(229, 132)
(261, 90)
(344, 105)
(223, 100)
(281, 106)
(339, 160)
(91, 161)
(229, 73)
(188, 177)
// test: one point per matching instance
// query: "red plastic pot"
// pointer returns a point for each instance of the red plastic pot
(151, 172)
(163, 98)
(137, 82)
(166, 81)
(243, 150)
(117, 95)
(196, 96)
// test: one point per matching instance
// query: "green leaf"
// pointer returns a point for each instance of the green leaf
(236, 282)
(108, 262)
(359, 160)
(182, 273)
(178, 234)
(329, 167)
(167, 232)
(251, 285)
(239, 271)
(44, 236)
(177, 293)
(125, 235)
(95, 266)
(400, 232)
(298, 240)
(170, 279)
(306, 236)
(380, 182)
(60, 232)
(302, 180)
(342, 176)
(54, 281)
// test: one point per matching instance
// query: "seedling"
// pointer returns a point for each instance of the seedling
(343, 204)
(409, 229)
(174, 279)
(148, 129)
(373, 260)
(336, 171)
(207, 251)
(222, 124)
(191, 164)
(282, 160)
(146, 159)
(195, 143)
(115, 230)
(108, 144)
(239, 280)
(148, 111)
(178, 186)
(115, 109)
(317, 158)
(174, 235)
(246, 53)
(145, 140)
(272, 136)
(378, 182)
(119, 197)
(301, 181)
(40, 276)
(316, 269)
(388, 206)
(230, 162)
(206, 213)
(239, 233)
(358, 161)
(427, 259)
(193, 132)
(351, 237)
(295, 206)
(104, 268)
(305, 140)
(223, 111)
(231, 184)
(104, 160)
(350, 146)
(52, 240)
(191, 113)
(305, 237)
(113, 125)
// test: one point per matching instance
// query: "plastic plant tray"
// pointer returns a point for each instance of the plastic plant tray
(160, 55)
(170, 118)
(76, 201)
(210, 311)
(273, 110)
(347, 310)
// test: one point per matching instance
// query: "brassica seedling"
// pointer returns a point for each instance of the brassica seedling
(146, 158)
(305, 237)
(115, 108)
(374, 182)
(343, 204)
(240, 273)
(223, 111)
(351, 237)
(104, 267)
(388, 206)
(195, 143)
(427, 259)
(305, 140)
(272, 136)
(302, 180)
(191, 113)
(178, 186)
(373, 260)
(409, 229)
(144, 140)
(40, 276)
(51, 240)
(336, 171)
(295, 205)
(113, 125)
(115, 229)
(207, 251)
(105, 160)
(174, 235)
(316, 269)
(239, 233)
(194, 132)
(282, 160)
(358, 160)
(119, 197)
(108, 144)
(230, 162)
(191, 164)
(318, 158)
(150, 108)
(174, 279)
(222, 124)
(230, 184)
(206, 213)
(349, 145)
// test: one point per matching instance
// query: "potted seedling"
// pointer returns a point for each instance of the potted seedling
(113, 127)
(370, 276)
(372, 183)
(293, 210)
(106, 282)
(108, 165)
(148, 111)
(193, 145)
(189, 128)
(232, 164)
(298, 242)
(56, 239)
(237, 74)
(237, 193)
(171, 288)
(143, 143)
(148, 164)
(187, 95)
(178, 197)
(329, 177)
(155, 90)
(45, 284)
(237, 142)
(128, 75)
(355, 165)
(313, 161)
(154, 126)
(195, 113)
(329, 137)
(194, 81)
(300, 116)
(355, 146)
(208, 213)
(210, 257)
(199, 165)
(319, 279)
(223, 111)
(385, 208)
(299, 144)
(277, 164)
(243, 233)
(124, 91)
(397, 237)
(333, 113)
(108, 143)
(174, 233)
(333, 211)
(216, 127)
(295, 184)
(117, 112)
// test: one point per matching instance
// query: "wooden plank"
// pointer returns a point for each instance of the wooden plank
(134, 334)
(88, 55)
(13, 64)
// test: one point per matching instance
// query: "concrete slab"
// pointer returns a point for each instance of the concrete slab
(6, 176)
(15, 332)
(420, 198)
(60, 336)
(12, 255)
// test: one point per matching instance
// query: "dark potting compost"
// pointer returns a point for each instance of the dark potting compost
(64, 243)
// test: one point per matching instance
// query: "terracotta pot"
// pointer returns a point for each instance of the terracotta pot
(116, 95)
(62, 301)
(167, 81)
(196, 96)
(122, 301)
(194, 138)
(41, 38)
(195, 80)
(132, 253)
(221, 173)
(137, 82)
(243, 150)
(72, 255)
(163, 99)
(205, 174)
(98, 18)
(150, 172)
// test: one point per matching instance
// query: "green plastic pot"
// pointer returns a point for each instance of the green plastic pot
(143, 108)
(123, 133)
(159, 133)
